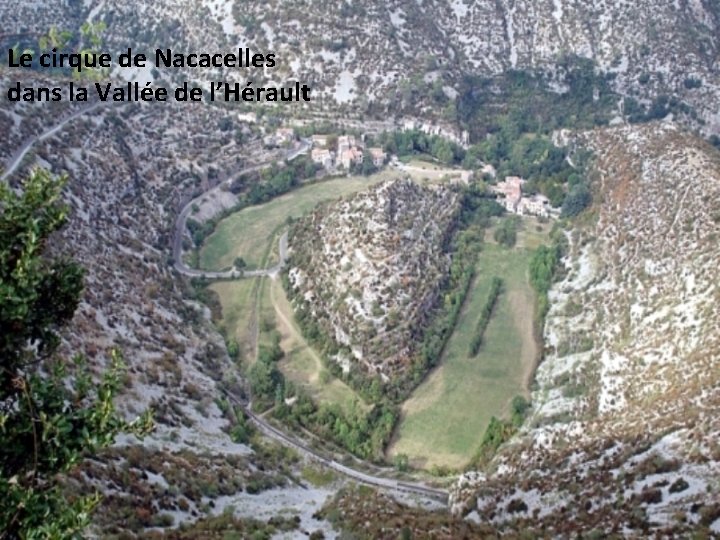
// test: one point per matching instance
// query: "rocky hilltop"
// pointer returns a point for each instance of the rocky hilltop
(369, 271)
(624, 420)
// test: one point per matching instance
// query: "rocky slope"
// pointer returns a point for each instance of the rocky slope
(131, 169)
(624, 432)
(624, 421)
(355, 53)
(369, 270)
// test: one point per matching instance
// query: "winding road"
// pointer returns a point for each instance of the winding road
(262, 425)
(17, 157)
(391, 484)
(181, 229)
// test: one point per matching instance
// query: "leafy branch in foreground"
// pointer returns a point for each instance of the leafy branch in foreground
(52, 415)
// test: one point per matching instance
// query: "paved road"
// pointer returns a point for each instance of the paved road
(181, 229)
(21, 152)
(266, 428)
(359, 476)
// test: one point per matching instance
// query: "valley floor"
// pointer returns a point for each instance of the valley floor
(444, 420)
(251, 307)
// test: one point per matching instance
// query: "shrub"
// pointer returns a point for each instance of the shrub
(517, 505)
(506, 232)
(402, 462)
(679, 485)
(577, 199)
(162, 520)
(519, 408)
(651, 496)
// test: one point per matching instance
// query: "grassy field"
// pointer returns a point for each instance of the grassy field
(427, 172)
(302, 364)
(444, 420)
(251, 309)
(249, 232)
(243, 312)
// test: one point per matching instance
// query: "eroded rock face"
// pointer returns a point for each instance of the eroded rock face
(357, 53)
(369, 271)
(628, 393)
(131, 168)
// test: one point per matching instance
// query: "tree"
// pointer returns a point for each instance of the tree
(51, 414)
(519, 408)
(506, 231)
(576, 201)
(402, 462)
(368, 165)
(264, 378)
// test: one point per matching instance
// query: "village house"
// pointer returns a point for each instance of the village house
(345, 142)
(323, 156)
(511, 191)
(320, 140)
(350, 156)
(512, 198)
(378, 156)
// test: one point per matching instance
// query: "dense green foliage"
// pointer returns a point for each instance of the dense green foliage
(266, 381)
(275, 180)
(497, 432)
(577, 199)
(409, 142)
(518, 410)
(635, 112)
(52, 415)
(495, 289)
(365, 434)
(500, 431)
(506, 231)
(523, 101)
(543, 268)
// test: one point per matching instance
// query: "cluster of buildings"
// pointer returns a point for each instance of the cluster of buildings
(511, 196)
(330, 151)
(347, 152)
